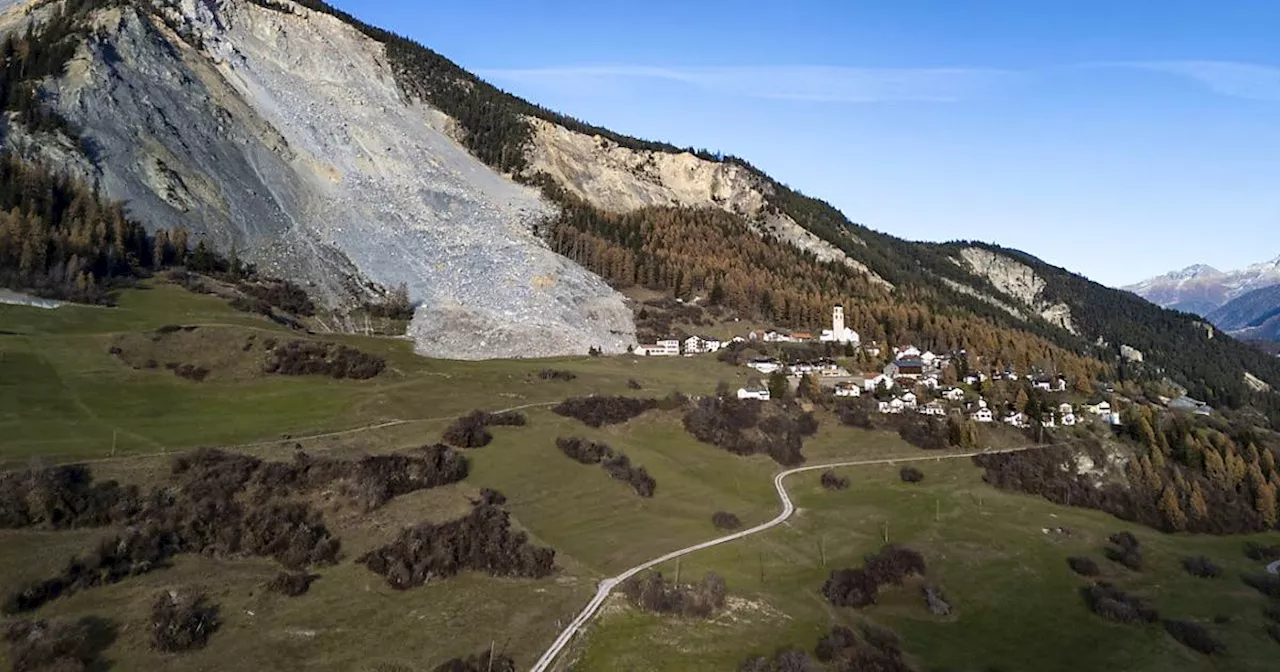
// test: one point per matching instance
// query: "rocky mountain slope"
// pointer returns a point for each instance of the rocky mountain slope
(349, 158)
(1202, 289)
(1253, 316)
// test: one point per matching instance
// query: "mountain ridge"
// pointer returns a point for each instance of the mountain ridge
(1201, 289)
(353, 158)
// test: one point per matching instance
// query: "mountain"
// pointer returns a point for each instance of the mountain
(1202, 289)
(1254, 316)
(351, 160)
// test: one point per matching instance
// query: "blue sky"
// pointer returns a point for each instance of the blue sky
(1120, 139)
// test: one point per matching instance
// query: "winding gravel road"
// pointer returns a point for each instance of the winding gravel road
(606, 586)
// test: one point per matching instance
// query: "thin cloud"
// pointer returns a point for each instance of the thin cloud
(1227, 78)
(806, 83)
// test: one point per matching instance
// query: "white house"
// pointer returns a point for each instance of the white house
(953, 394)
(909, 400)
(1068, 420)
(738, 339)
(872, 350)
(928, 358)
(1016, 419)
(1043, 385)
(1065, 409)
(1047, 421)
(1102, 408)
(667, 348)
(776, 337)
(909, 352)
(848, 390)
(754, 390)
(872, 381)
(983, 415)
(975, 378)
(892, 407)
(933, 408)
(930, 383)
(701, 344)
(765, 365)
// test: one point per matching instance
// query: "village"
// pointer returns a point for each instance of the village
(912, 381)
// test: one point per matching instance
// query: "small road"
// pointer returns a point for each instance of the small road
(606, 586)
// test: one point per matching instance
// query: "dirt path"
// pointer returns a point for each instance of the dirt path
(788, 508)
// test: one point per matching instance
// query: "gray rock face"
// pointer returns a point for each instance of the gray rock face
(286, 135)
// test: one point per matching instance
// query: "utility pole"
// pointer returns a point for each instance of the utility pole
(114, 432)
(822, 549)
(937, 510)
(492, 643)
(677, 572)
(886, 531)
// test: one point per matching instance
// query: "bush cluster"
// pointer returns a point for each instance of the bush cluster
(70, 646)
(860, 587)
(1202, 567)
(786, 660)
(482, 541)
(650, 592)
(1267, 584)
(1084, 566)
(557, 374)
(221, 504)
(1262, 553)
(280, 294)
(292, 584)
(1125, 550)
(1195, 637)
(601, 411)
(472, 430)
(723, 520)
(743, 427)
(615, 463)
(182, 620)
(479, 662)
(190, 372)
(831, 481)
(1113, 604)
(870, 649)
(911, 475)
(63, 497)
(303, 358)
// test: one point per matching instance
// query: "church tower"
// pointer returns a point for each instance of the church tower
(837, 322)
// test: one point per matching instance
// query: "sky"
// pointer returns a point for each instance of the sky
(1118, 139)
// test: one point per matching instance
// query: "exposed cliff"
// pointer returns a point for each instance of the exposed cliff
(285, 134)
(1017, 281)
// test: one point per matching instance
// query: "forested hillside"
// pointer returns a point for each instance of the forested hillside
(1255, 315)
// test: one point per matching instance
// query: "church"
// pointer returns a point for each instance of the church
(838, 333)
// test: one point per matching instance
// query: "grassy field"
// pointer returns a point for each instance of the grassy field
(64, 396)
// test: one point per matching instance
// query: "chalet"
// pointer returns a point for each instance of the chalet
(953, 394)
(738, 339)
(800, 368)
(934, 408)
(659, 349)
(983, 415)
(701, 344)
(872, 350)
(1068, 420)
(1065, 409)
(930, 383)
(848, 390)
(929, 359)
(1048, 421)
(891, 407)
(1043, 384)
(776, 337)
(765, 365)
(909, 352)
(754, 390)
(909, 400)
(801, 337)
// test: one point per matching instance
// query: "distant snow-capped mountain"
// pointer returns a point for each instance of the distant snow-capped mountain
(1201, 289)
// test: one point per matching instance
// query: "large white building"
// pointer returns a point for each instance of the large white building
(838, 333)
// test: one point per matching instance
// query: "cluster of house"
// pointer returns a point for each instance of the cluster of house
(697, 345)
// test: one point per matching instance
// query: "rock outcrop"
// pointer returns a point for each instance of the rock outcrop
(285, 135)
(1018, 282)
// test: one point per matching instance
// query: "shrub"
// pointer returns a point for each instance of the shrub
(58, 645)
(831, 481)
(633, 384)
(1260, 553)
(584, 451)
(182, 620)
(850, 588)
(911, 475)
(725, 521)
(650, 592)
(1195, 637)
(786, 660)
(281, 294)
(292, 584)
(871, 649)
(482, 541)
(556, 374)
(1127, 551)
(479, 662)
(469, 431)
(893, 564)
(1114, 604)
(191, 372)
(601, 411)
(1267, 584)
(1084, 566)
(63, 497)
(301, 358)
(1202, 567)
(742, 427)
